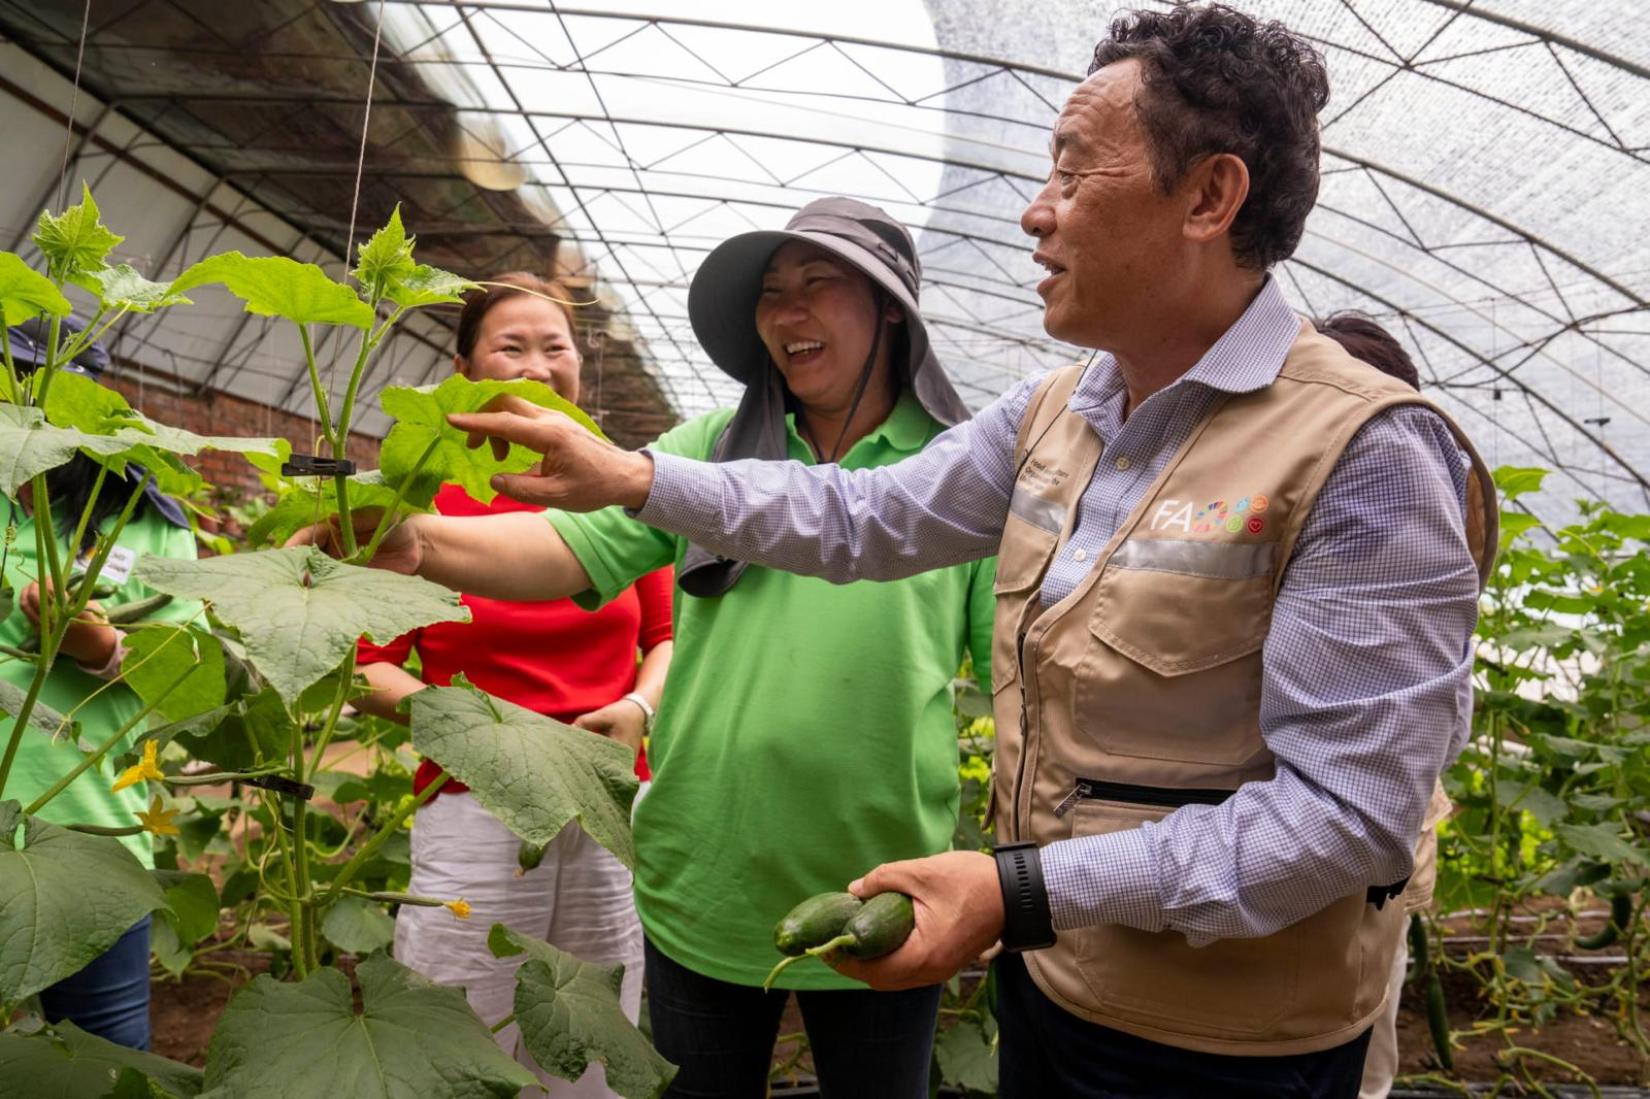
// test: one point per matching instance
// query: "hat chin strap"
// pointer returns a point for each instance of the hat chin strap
(879, 300)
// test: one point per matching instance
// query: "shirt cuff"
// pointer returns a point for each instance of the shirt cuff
(685, 499)
(1110, 878)
(111, 667)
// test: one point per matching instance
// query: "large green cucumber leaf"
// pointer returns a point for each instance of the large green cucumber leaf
(29, 445)
(123, 434)
(65, 898)
(357, 926)
(191, 904)
(25, 293)
(533, 773)
(426, 285)
(569, 1014)
(421, 421)
(275, 286)
(312, 500)
(121, 287)
(82, 415)
(1602, 841)
(75, 241)
(65, 1062)
(298, 611)
(42, 716)
(967, 1058)
(156, 656)
(410, 1040)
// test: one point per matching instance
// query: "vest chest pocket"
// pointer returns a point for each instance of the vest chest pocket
(1172, 667)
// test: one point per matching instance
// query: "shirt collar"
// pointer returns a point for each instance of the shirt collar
(907, 428)
(1247, 356)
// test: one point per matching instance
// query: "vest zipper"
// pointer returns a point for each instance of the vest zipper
(1167, 796)
(1025, 737)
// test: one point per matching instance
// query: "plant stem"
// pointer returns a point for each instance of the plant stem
(303, 927)
(41, 671)
(504, 1022)
(216, 778)
(115, 738)
(346, 527)
(86, 517)
(323, 411)
(387, 520)
(43, 375)
(346, 674)
(380, 837)
(14, 388)
(86, 336)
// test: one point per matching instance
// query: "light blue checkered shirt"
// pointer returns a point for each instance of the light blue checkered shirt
(1366, 693)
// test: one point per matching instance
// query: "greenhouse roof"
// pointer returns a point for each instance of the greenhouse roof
(1486, 186)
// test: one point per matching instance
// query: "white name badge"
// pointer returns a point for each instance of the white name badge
(117, 569)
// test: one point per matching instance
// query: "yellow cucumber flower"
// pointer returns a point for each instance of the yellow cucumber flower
(158, 818)
(144, 768)
(459, 908)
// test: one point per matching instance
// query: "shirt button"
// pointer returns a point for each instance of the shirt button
(1123, 463)
(1079, 554)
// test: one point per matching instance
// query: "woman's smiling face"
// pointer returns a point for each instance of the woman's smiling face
(817, 316)
(525, 337)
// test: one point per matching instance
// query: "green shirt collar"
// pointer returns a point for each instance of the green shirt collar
(906, 430)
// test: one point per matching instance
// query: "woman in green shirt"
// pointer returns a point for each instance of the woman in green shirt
(806, 731)
(110, 996)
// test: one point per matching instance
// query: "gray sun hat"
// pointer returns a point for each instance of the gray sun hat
(722, 306)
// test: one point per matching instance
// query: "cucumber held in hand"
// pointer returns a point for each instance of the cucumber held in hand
(818, 919)
(879, 926)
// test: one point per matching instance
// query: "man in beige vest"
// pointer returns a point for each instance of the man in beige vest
(1237, 583)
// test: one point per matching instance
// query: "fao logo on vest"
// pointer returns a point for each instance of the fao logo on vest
(1236, 517)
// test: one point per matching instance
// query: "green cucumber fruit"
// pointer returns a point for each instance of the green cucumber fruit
(816, 920)
(879, 926)
(1438, 1022)
(138, 609)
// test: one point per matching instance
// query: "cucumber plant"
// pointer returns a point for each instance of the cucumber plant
(252, 692)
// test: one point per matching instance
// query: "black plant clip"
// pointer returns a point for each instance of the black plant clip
(314, 465)
(303, 791)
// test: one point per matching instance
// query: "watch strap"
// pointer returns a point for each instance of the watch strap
(1027, 922)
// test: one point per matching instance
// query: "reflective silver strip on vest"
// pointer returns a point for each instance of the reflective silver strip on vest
(1216, 560)
(1043, 514)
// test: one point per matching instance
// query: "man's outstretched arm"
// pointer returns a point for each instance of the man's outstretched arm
(940, 507)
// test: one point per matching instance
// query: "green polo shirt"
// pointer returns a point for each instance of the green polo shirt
(41, 761)
(806, 732)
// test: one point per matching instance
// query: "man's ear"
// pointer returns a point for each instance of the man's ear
(1215, 190)
(461, 365)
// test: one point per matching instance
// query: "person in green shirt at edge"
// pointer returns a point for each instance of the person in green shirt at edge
(806, 730)
(110, 996)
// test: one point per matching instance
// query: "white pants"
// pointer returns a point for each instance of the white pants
(578, 899)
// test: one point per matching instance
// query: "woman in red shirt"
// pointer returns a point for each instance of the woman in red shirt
(575, 666)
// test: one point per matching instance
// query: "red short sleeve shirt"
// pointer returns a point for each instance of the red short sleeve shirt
(550, 657)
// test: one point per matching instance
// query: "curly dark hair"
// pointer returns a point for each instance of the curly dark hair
(1219, 81)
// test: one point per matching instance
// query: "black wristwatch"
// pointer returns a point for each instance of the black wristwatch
(1027, 924)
